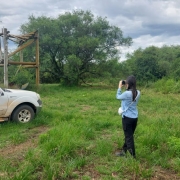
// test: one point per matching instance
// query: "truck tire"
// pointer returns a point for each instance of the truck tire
(23, 114)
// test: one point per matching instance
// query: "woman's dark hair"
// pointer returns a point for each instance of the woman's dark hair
(131, 81)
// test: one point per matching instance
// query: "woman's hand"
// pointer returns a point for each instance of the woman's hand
(120, 84)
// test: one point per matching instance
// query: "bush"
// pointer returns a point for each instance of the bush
(167, 86)
(22, 77)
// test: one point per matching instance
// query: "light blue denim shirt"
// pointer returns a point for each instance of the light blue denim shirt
(126, 100)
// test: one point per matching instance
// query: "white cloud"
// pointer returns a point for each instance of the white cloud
(148, 40)
(148, 22)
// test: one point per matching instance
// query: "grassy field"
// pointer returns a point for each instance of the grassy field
(78, 131)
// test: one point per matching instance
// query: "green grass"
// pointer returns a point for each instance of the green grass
(84, 131)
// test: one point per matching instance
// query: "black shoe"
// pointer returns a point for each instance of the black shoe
(120, 153)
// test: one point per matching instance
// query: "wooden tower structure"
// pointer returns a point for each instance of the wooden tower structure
(23, 42)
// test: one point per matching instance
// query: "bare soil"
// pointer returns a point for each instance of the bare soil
(161, 174)
(20, 149)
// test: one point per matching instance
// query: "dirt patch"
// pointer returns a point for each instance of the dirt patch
(20, 149)
(85, 108)
(161, 174)
(89, 171)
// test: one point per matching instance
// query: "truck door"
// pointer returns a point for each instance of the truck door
(3, 102)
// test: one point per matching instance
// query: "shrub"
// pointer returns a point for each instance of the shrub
(167, 86)
(22, 77)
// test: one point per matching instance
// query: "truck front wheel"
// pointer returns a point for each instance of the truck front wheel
(23, 114)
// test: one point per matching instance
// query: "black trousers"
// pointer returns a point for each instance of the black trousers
(129, 126)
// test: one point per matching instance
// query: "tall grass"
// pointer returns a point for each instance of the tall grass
(84, 131)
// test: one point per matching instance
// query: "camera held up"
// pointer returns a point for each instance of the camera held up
(123, 82)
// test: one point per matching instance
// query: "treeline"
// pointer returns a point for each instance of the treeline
(77, 47)
(154, 63)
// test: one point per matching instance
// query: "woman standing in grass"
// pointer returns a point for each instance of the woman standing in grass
(129, 100)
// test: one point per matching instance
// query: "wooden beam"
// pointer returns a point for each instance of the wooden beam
(29, 66)
(22, 63)
(19, 37)
(25, 66)
(26, 36)
(21, 47)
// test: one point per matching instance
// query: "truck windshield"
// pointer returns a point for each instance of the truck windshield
(5, 90)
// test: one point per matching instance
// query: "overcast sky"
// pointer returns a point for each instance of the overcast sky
(148, 22)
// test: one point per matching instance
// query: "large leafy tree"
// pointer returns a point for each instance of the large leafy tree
(73, 45)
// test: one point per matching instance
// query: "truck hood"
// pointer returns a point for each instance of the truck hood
(20, 93)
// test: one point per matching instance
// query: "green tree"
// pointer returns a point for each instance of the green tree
(154, 63)
(169, 57)
(144, 64)
(175, 72)
(73, 45)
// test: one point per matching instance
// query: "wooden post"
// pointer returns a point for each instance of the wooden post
(21, 55)
(37, 58)
(5, 57)
(0, 48)
(0, 51)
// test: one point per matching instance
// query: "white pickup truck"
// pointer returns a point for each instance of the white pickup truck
(19, 105)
